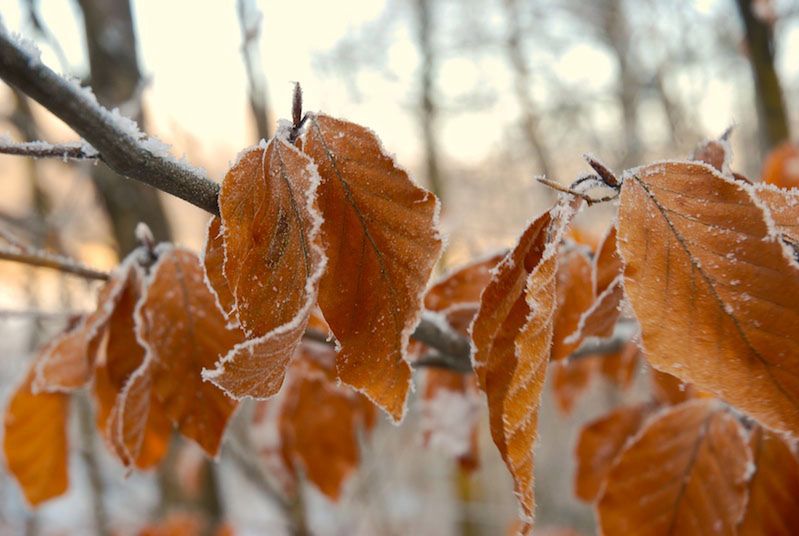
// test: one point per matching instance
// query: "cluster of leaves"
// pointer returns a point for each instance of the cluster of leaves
(321, 232)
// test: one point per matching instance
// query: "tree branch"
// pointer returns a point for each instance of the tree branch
(48, 260)
(119, 142)
(41, 149)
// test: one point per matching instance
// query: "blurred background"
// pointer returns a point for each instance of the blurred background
(475, 97)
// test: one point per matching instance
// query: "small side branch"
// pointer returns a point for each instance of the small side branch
(47, 260)
(41, 149)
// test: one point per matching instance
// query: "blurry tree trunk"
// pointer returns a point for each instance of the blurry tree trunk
(617, 35)
(521, 82)
(116, 81)
(250, 22)
(772, 115)
(428, 113)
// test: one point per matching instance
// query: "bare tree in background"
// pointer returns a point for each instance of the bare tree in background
(428, 111)
(117, 82)
(250, 20)
(521, 83)
(759, 36)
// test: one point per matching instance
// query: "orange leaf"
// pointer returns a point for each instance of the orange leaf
(182, 331)
(511, 338)
(462, 285)
(69, 362)
(716, 295)
(570, 379)
(670, 390)
(319, 421)
(381, 237)
(120, 354)
(620, 367)
(599, 319)
(715, 153)
(781, 167)
(773, 505)
(574, 296)
(213, 261)
(783, 205)
(684, 473)
(272, 262)
(599, 445)
(35, 440)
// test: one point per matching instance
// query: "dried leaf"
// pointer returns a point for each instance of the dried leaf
(35, 440)
(700, 259)
(462, 285)
(213, 261)
(272, 261)
(319, 421)
(574, 296)
(773, 505)
(620, 367)
(182, 331)
(511, 338)
(381, 237)
(715, 153)
(685, 473)
(570, 379)
(781, 167)
(68, 363)
(599, 445)
(783, 206)
(670, 390)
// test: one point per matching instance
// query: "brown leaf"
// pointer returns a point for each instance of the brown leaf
(511, 338)
(120, 354)
(183, 331)
(213, 261)
(781, 167)
(599, 445)
(35, 440)
(381, 237)
(574, 296)
(670, 390)
(272, 262)
(716, 296)
(68, 363)
(319, 421)
(620, 367)
(773, 505)
(684, 473)
(599, 319)
(715, 153)
(462, 285)
(570, 379)
(783, 206)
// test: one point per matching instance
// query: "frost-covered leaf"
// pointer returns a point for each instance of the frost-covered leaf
(462, 285)
(599, 319)
(183, 331)
(574, 296)
(69, 362)
(317, 422)
(119, 355)
(599, 445)
(511, 338)
(213, 261)
(783, 206)
(715, 153)
(35, 440)
(715, 293)
(773, 504)
(684, 473)
(273, 261)
(382, 241)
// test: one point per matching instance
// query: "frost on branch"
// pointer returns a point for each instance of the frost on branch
(713, 289)
(511, 338)
(264, 260)
(381, 237)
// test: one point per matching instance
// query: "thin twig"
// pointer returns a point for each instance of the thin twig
(48, 260)
(40, 149)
